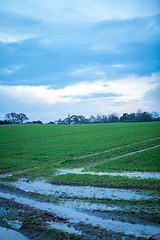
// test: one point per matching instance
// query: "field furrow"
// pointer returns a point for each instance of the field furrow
(93, 181)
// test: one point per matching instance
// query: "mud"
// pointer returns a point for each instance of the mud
(43, 187)
(85, 231)
(85, 221)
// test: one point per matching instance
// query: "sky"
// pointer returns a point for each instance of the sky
(83, 57)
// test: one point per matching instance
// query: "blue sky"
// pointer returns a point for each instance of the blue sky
(84, 57)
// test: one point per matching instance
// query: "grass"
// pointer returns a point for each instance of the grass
(60, 146)
(37, 151)
(106, 181)
(109, 154)
(148, 160)
(12, 133)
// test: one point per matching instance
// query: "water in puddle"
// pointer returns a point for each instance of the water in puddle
(143, 175)
(81, 191)
(63, 227)
(83, 205)
(75, 217)
(9, 234)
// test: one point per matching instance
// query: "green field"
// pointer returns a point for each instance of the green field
(92, 170)
(39, 150)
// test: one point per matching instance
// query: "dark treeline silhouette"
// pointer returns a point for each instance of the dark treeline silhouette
(14, 118)
(111, 118)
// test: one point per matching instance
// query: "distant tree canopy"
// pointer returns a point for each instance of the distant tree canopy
(15, 118)
(19, 118)
(112, 118)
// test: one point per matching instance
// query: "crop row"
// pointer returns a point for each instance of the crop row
(63, 149)
(37, 153)
(11, 133)
(148, 160)
(110, 154)
(15, 133)
(105, 181)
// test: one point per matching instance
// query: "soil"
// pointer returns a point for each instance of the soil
(34, 223)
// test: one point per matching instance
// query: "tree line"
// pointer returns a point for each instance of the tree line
(111, 118)
(20, 118)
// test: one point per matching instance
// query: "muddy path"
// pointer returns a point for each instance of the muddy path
(79, 213)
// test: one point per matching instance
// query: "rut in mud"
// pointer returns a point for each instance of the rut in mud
(70, 210)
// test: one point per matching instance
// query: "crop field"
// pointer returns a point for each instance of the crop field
(92, 181)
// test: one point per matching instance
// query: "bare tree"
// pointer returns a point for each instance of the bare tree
(15, 118)
(22, 117)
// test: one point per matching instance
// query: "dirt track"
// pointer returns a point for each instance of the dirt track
(35, 213)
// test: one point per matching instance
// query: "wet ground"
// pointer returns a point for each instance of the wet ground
(40, 210)
(142, 175)
(78, 212)
(8, 234)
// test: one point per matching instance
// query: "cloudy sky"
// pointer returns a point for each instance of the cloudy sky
(84, 57)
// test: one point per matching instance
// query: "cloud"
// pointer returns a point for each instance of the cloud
(10, 70)
(81, 11)
(81, 71)
(118, 65)
(15, 37)
(87, 98)
(126, 89)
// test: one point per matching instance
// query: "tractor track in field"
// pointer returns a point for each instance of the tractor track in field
(60, 135)
(112, 149)
(119, 156)
(51, 209)
(80, 170)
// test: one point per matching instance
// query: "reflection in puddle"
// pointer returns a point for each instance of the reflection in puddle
(81, 191)
(143, 175)
(75, 217)
(9, 234)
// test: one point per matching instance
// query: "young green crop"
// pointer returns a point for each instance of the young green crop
(105, 181)
(62, 144)
(148, 160)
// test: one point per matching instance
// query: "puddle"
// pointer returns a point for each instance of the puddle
(81, 191)
(9, 234)
(81, 205)
(138, 230)
(63, 227)
(7, 174)
(143, 175)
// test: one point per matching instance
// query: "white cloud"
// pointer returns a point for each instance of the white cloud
(81, 71)
(81, 11)
(94, 70)
(15, 37)
(7, 71)
(10, 70)
(129, 89)
(118, 65)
